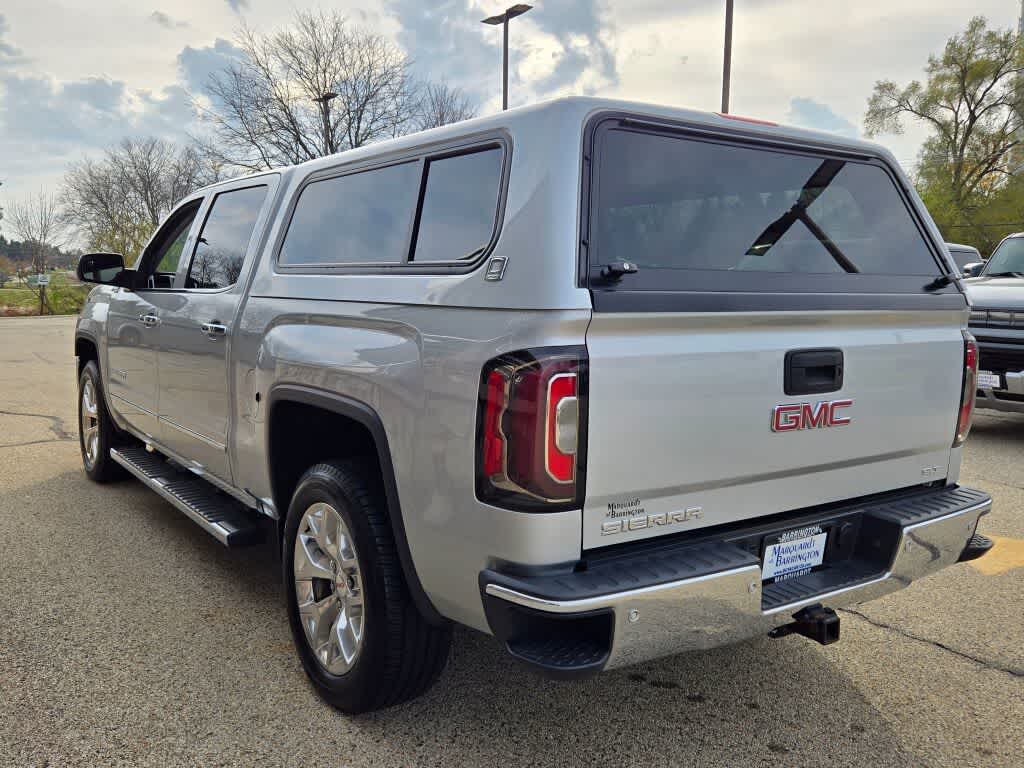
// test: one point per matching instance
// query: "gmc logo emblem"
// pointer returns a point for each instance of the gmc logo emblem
(789, 418)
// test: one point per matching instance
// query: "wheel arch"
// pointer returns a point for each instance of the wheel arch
(375, 440)
(86, 349)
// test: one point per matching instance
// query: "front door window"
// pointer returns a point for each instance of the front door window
(159, 262)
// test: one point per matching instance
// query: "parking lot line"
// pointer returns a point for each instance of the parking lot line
(1006, 555)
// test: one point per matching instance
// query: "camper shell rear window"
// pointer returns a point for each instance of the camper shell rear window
(690, 212)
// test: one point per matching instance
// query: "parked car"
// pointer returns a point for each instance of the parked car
(967, 258)
(607, 381)
(997, 321)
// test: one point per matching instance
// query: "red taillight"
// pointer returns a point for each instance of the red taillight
(530, 427)
(969, 389)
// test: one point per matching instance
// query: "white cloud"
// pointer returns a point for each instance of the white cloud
(195, 65)
(808, 113)
(110, 68)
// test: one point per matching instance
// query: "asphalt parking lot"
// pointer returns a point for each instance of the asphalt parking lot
(129, 636)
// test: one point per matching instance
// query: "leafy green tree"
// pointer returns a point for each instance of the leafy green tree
(972, 102)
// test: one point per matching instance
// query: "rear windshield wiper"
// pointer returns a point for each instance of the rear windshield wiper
(617, 269)
(812, 190)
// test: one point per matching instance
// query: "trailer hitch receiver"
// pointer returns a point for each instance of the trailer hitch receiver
(815, 621)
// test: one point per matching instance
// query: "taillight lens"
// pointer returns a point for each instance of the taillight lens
(969, 389)
(531, 429)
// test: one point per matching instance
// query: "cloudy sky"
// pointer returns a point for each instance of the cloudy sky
(76, 75)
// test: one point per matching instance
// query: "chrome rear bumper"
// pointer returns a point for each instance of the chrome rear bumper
(726, 606)
(986, 399)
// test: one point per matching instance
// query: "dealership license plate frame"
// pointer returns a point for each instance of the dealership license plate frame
(811, 558)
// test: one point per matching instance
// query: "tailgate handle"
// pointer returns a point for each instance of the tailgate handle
(813, 371)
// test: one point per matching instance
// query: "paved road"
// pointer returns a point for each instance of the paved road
(128, 636)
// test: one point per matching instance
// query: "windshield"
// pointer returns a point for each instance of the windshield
(1007, 259)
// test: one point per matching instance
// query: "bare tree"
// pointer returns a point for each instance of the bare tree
(441, 104)
(36, 219)
(115, 202)
(269, 107)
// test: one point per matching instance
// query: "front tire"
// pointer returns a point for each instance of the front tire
(360, 638)
(96, 431)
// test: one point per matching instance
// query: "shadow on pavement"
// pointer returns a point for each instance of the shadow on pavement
(159, 646)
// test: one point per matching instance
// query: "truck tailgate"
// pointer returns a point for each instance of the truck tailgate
(682, 407)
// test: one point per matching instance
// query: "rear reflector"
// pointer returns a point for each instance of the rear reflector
(493, 439)
(969, 390)
(530, 426)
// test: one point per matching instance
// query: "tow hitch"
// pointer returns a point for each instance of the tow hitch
(815, 621)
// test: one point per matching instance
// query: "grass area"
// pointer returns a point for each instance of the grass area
(64, 296)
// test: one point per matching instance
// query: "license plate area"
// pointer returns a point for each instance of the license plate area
(989, 380)
(794, 553)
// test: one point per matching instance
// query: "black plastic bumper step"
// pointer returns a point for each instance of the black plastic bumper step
(978, 545)
(557, 653)
(634, 572)
(226, 519)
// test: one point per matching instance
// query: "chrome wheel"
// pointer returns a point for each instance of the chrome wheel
(329, 588)
(90, 423)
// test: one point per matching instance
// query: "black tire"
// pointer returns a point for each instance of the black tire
(400, 655)
(100, 468)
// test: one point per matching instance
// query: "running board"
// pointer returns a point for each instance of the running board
(224, 518)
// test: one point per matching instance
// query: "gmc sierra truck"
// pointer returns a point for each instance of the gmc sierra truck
(607, 381)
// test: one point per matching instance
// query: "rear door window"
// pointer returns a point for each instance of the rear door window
(678, 205)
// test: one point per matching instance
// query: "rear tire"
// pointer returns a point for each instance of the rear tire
(96, 431)
(360, 638)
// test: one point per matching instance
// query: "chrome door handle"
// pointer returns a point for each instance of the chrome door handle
(149, 320)
(214, 330)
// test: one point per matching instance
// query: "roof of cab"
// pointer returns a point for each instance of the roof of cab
(577, 110)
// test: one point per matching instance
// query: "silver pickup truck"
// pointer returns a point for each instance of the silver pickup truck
(605, 380)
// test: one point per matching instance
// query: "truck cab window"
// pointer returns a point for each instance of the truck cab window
(224, 239)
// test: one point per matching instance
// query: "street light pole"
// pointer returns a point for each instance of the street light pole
(503, 19)
(325, 114)
(504, 64)
(727, 63)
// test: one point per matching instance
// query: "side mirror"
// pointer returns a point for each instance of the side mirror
(973, 270)
(102, 268)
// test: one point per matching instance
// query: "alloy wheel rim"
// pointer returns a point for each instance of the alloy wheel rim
(329, 588)
(90, 425)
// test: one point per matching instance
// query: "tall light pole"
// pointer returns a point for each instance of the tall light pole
(324, 100)
(503, 19)
(727, 63)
